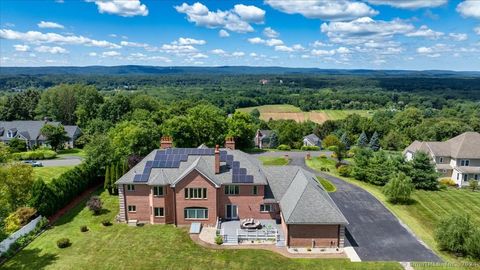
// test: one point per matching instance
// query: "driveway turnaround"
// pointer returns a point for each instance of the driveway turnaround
(373, 231)
(63, 161)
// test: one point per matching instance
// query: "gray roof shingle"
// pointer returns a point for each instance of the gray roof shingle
(30, 129)
(465, 145)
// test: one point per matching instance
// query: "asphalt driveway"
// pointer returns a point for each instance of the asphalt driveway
(373, 231)
(63, 161)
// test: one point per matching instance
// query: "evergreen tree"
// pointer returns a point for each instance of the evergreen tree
(106, 183)
(273, 140)
(362, 140)
(345, 141)
(423, 172)
(112, 178)
(361, 164)
(374, 142)
(42, 198)
(399, 189)
(379, 169)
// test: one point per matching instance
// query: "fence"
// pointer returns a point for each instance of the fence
(5, 244)
(257, 234)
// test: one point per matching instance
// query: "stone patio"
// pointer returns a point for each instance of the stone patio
(231, 228)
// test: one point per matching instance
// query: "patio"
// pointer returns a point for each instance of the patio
(270, 232)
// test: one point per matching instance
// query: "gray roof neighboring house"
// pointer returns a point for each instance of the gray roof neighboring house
(31, 130)
(313, 139)
(301, 198)
(465, 145)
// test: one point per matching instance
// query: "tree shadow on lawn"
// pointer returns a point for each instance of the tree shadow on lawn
(30, 259)
(72, 213)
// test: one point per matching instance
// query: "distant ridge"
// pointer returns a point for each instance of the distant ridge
(227, 70)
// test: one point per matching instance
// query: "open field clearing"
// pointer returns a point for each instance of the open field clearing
(284, 111)
(149, 247)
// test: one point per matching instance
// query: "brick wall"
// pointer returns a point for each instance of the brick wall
(248, 204)
(195, 180)
(140, 197)
(322, 235)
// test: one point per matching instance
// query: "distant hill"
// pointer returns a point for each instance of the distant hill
(156, 70)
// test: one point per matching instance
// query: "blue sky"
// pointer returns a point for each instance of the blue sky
(373, 34)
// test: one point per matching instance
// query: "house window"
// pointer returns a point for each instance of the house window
(157, 191)
(441, 160)
(132, 208)
(196, 213)
(130, 187)
(465, 177)
(195, 193)
(267, 208)
(476, 177)
(465, 162)
(232, 190)
(158, 212)
(255, 190)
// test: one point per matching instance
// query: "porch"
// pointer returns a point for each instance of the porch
(270, 233)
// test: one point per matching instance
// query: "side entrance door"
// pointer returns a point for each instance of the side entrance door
(231, 211)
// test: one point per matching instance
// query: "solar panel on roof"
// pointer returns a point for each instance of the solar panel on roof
(243, 171)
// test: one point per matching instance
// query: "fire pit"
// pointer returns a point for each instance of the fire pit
(250, 223)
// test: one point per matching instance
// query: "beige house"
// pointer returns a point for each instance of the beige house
(457, 158)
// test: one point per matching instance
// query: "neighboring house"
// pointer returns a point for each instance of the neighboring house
(30, 132)
(203, 185)
(262, 138)
(457, 158)
(312, 140)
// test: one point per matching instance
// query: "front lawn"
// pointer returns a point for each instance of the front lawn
(74, 152)
(428, 207)
(274, 161)
(48, 173)
(149, 247)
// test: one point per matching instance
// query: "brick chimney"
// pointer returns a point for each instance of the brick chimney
(230, 143)
(217, 159)
(166, 142)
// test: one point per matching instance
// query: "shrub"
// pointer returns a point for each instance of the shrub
(218, 240)
(63, 243)
(106, 223)
(399, 189)
(447, 181)
(284, 147)
(350, 154)
(324, 169)
(83, 228)
(18, 219)
(35, 155)
(323, 156)
(344, 170)
(473, 185)
(310, 148)
(95, 205)
(472, 245)
(453, 231)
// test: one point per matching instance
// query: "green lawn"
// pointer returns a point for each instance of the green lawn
(327, 185)
(48, 173)
(279, 108)
(342, 114)
(429, 207)
(274, 161)
(75, 152)
(150, 247)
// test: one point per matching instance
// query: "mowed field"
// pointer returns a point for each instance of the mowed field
(285, 111)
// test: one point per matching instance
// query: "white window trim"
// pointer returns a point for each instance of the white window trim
(159, 210)
(132, 211)
(163, 191)
(229, 188)
(271, 208)
(197, 209)
(254, 190)
(130, 187)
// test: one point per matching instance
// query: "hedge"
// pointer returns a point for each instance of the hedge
(35, 155)
(50, 197)
(310, 148)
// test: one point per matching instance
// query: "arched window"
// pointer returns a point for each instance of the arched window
(196, 213)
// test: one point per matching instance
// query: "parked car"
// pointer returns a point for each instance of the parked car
(33, 163)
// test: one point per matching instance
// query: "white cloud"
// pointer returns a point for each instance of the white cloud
(458, 36)
(256, 40)
(270, 33)
(238, 54)
(318, 43)
(133, 44)
(237, 19)
(174, 48)
(223, 33)
(21, 48)
(189, 41)
(426, 32)
(44, 24)
(283, 48)
(364, 29)
(253, 54)
(122, 8)
(110, 54)
(273, 42)
(341, 50)
(434, 51)
(409, 4)
(199, 55)
(337, 10)
(250, 13)
(477, 30)
(92, 54)
(52, 50)
(469, 8)
(39, 37)
(218, 52)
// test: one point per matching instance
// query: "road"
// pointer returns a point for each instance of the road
(373, 231)
(63, 161)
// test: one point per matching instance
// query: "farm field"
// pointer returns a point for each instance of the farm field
(285, 111)
(149, 247)
(423, 215)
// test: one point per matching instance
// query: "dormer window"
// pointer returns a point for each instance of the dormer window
(10, 134)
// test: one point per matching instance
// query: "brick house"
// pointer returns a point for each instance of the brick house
(184, 185)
